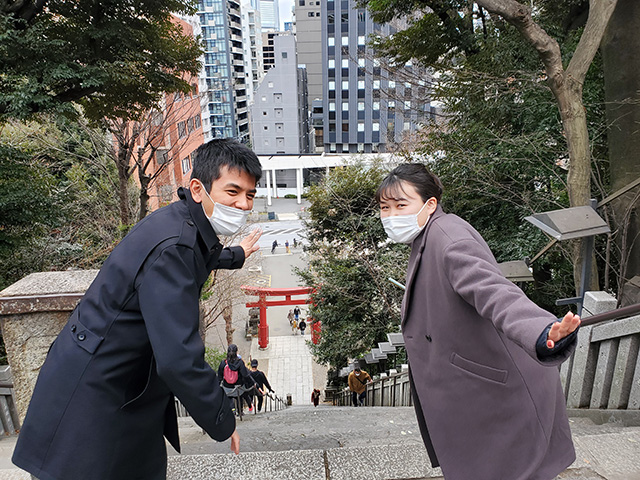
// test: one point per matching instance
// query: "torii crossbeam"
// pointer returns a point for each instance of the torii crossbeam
(263, 303)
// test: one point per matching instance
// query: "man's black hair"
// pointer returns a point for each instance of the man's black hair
(215, 154)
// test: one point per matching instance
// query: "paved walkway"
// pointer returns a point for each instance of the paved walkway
(288, 364)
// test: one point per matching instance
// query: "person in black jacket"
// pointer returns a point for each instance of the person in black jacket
(104, 398)
(232, 371)
(261, 381)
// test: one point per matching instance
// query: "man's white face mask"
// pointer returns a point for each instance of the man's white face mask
(225, 220)
(403, 228)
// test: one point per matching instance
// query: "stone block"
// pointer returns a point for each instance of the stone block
(583, 370)
(597, 302)
(32, 313)
(604, 373)
(623, 371)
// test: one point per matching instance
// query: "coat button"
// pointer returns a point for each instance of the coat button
(81, 336)
(428, 337)
(73, 328)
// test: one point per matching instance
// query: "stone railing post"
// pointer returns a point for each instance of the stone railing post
(32, 313)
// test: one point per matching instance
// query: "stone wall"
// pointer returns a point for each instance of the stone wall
(32, 313)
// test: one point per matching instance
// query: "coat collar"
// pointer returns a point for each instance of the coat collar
(200, 219)
(417, 247)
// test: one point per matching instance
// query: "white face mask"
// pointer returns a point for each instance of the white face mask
(225, 220)
(403, 228)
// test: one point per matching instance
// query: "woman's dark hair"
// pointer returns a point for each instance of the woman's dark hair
(426, 183)
(232, 352)
(215, 154)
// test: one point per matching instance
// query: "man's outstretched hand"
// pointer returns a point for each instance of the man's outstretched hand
(561, 329)
(250, 243)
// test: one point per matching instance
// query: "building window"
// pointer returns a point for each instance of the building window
(311, 14)
(360, 84)
(190, 126)
(279, 127)
(361, 106)
(345, 63)
(264, 98)
(270, 84)
(376, 105)
(345, 84)
(284, 54)
(332, 106)
(345, 41)
(406, 126)
(361, 62)
(186, 165)
(345, 106)
(361, 127)
(277, 97)
(392, 84)
(301, 3)
(279, 141)
(376, 127)
(376, 84)
(361, 40)
(182, 129)
(278, 112)
(332, 85)
(331, 42)
(407, 104)
(392, 104)
(332, 63)
(345, 148)
(197, 121)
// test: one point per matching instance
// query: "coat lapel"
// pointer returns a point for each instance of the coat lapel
(417, 247)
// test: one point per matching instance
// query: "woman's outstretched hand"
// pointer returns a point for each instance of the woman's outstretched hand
(561, 329)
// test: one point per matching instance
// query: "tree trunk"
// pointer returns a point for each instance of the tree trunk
(227, 314)
(123, 186)
(622, 96)
(144, 195)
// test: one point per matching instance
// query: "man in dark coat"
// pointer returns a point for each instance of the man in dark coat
(104, 398)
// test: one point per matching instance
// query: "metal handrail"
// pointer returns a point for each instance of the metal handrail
(611, 315)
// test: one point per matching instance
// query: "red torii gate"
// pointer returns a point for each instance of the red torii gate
(263, 303)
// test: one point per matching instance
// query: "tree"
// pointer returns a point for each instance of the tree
(57, 200)
(444, 33)
(115, 59)
(350, 263)
(622, 94)
(151, 145)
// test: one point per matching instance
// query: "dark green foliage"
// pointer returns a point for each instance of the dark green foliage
(349, 266)
(57, 201)
(115, 58)
(501, 153)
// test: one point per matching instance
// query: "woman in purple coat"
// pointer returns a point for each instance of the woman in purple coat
(483, 358)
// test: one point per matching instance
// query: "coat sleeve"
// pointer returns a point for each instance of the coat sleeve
(231, 258)
(475, 276)
(168, 297)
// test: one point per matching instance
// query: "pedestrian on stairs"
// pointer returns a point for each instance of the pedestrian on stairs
(302, 325)
(483, 358)
(261, 382)
(358, 380)
(290, 317)
(233, 372)
(294, 327)
(315, 397)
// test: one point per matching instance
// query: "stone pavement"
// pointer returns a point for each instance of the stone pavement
(380, 443)
(288, 364)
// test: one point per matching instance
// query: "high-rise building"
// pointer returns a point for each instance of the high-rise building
(252, 46)
(308, 30)
(279, 115)
(227, 111)
(365, 107)
(270, 14)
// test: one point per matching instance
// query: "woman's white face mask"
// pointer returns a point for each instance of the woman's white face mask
(403, 228)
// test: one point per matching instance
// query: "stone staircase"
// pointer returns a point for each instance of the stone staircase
(380, 443)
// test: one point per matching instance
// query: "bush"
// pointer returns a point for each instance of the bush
(290, 195)
(213, 357)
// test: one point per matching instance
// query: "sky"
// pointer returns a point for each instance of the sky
(285, 6)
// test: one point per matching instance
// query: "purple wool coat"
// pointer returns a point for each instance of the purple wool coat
(488, 408)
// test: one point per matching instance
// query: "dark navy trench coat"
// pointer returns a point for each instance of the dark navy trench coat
(104, 398)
